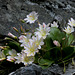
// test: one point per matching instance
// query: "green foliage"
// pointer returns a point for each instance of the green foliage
(15, 45)
(45, 63)
(48, 43)
(68, 40)
(49, 53)
(6, 51)
(67, 52)
(56, 34)
(53, 54)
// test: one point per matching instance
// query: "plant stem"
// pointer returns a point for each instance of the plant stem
(38, 22)
(61, 53)
(73, 62)
(64, 67)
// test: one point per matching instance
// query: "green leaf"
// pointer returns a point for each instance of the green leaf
(45, 62)
(15, 45)
(56, 34)
(74, 49)
(6, 51)
(49, 43)
(47, 55)
(70, 39)
(36, 58)
(55, 54)
(67, 52)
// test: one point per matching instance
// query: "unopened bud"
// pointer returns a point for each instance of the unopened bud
(22, 21)
(15, 29)
(24, 34)
(21, 28)
(11, 35)
(3, 47)
(63, 38)
(56, 43)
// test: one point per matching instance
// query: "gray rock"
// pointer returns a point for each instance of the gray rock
(64, 8)
(57, 70)
(46, 72)
(29, 70)
(12, 11)
(36, 70)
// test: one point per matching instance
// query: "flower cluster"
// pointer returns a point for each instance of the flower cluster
(70, 26)
(31, 44)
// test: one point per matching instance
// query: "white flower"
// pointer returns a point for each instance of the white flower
(32, 17)
(2, 56)
(56, 43)
(11, 56)
(24, 39)
(38, 41)
(18, 58)
(22, 57)
(72, 22)
(31, 48)
(69, 30)
(42, 31)
(54, 24)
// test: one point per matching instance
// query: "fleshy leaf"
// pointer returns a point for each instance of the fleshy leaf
(45, 62)
(6, 51)
(56, 34)
(49, 43)
(67, 52)
(15, 45)
(70, 39)
(55, 54)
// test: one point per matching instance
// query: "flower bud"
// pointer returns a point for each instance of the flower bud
(56, 43)
(15, 29)
(11, 35)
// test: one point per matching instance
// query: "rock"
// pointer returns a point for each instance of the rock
(60, 10)
(46, 72)
(57, 70)
(29, 70)
(37, 70)
(12, 11)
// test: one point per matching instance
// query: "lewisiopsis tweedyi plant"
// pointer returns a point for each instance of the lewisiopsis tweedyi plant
(47, 45)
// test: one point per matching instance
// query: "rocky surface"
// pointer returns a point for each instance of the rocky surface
(36, 70)
(11, 11)
(60, 10)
